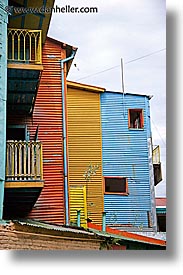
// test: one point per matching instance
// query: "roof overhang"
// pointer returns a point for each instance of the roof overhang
(85, 87)
(68, 48)
(37, 19)
(131, 94)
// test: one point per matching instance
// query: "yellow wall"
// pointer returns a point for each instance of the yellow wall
(85, 147)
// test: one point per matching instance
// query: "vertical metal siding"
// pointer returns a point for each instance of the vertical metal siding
(77, 201)
(3, 96)
(84, 143)
(48, 115)
(125, 153)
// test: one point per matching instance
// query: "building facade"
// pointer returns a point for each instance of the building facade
(128, 175)
(84, 152)
(33, 76)
(69, 147)
(109, 139)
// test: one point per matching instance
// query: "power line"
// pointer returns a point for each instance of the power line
(98, 72)
(144, 56)
(117, 66)
(158, 133)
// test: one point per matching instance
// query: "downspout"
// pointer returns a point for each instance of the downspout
(3, 97)
(63, 61)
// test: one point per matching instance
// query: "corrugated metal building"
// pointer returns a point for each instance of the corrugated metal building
(85, 152)
(127, 162)
(48, 115)
(45, 124)
(3, 97)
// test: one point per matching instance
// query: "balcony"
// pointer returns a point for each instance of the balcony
(28, 20)
(157, 164)
(24, 57)
(24, 177)
(24, 46)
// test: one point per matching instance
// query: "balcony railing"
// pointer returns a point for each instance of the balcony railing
(24, 161)
(25, 46)
(156, 154)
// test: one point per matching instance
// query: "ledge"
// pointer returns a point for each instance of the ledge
(23, 184)
(22, 66)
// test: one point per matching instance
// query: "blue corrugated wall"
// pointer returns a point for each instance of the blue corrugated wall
(3, 96)
(125, 153)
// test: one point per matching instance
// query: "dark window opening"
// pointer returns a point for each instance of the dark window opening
(16, 133)
(115, 185)
(161, 221)
(135, 119)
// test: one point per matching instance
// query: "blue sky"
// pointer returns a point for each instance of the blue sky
(121, 29)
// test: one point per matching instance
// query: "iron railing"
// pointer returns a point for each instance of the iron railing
(24, 160)
(24, 46)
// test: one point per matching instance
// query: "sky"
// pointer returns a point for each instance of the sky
(134, 30)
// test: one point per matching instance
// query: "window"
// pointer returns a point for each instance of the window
(116, 185)
(16, 132)
(135, 119)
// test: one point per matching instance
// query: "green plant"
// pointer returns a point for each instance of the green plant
(90, 171)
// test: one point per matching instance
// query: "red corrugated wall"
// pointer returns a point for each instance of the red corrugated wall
(48, 115)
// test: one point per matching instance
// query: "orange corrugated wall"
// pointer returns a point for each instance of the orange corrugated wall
(48, 115)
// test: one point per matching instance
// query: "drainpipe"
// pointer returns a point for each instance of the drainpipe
(103, 221)
(63, 61)
(3, 97)
(78, 218)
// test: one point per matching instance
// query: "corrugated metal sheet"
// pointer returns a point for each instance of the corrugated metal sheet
(84, 144)
(77, 201)
(48, 115)
(3, 96)
(44, 225)
(125, 153)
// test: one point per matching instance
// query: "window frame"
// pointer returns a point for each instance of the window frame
(141, 119)
(126, 193)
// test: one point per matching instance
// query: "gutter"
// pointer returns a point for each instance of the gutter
(64, 115)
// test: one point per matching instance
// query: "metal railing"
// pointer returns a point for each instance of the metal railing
(24, 160)
(156, 154)
(24, 46)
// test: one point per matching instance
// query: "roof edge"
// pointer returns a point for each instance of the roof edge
(127, 93)
(131, 236)
(86, 87)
